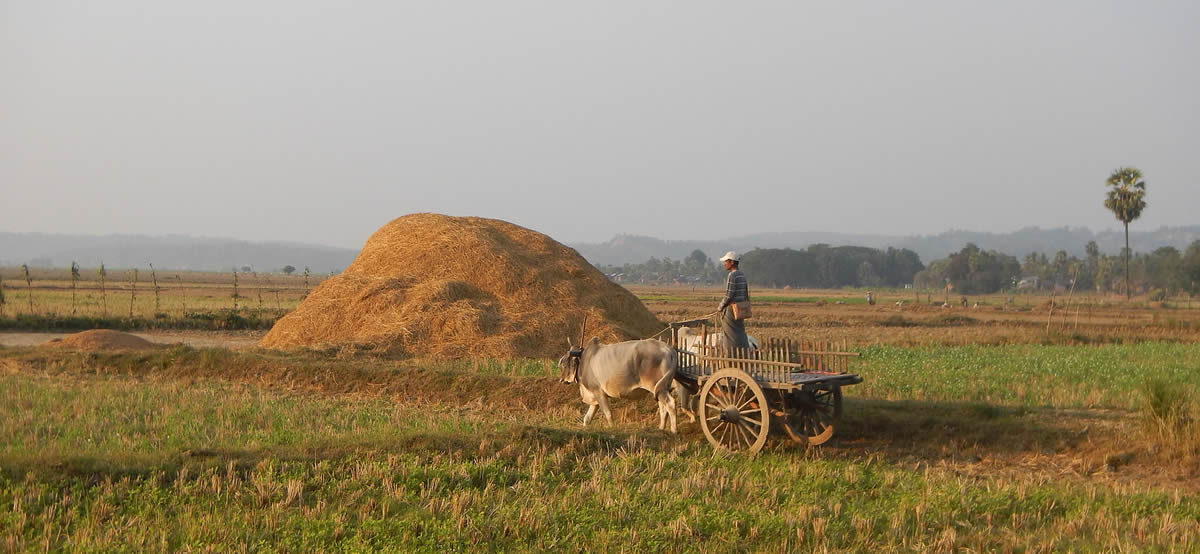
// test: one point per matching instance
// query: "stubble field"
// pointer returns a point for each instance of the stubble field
(1003, 427)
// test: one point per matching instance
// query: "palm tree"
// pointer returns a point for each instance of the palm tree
(1126, 198)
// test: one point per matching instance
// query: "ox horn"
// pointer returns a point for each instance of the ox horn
(583, 330)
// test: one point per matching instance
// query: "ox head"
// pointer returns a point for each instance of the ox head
(570, 363)
(571, 360)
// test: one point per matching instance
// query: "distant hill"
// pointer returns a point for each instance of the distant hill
(624, 249)
(167, 252)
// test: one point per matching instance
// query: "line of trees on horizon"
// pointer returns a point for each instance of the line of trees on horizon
(818, 266)
(971, 270)
(1160, 273)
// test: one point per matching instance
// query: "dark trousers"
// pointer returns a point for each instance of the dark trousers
(734, 330)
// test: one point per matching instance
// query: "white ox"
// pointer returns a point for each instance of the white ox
(610, 370)
(690, 338)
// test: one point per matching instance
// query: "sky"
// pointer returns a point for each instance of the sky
(320, 122)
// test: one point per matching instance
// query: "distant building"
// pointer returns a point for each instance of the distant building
(1030, 282)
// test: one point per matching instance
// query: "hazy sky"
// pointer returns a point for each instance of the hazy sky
(321, 121)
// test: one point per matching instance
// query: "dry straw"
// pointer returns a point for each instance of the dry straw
(102, 339)
(441, 286)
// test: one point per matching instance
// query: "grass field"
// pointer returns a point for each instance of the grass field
(989, 433)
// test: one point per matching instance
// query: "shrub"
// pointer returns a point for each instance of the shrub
(897, 321)
(1166, 403)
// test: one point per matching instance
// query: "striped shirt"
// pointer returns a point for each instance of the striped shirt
(737, 289)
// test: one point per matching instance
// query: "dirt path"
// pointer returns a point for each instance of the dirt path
(206, 339)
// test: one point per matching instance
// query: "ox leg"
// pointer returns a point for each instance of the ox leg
(602, 399)
(666, 409)
(589, 399)
(662, 412)
(588, 416)
(685, 402)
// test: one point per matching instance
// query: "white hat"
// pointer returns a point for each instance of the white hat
(731, 255)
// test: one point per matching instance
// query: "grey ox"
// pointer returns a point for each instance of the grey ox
(611, 370)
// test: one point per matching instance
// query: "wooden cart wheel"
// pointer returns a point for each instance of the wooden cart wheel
(813, 415)
(734, 414)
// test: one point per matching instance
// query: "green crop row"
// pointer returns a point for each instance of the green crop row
(1105, 376)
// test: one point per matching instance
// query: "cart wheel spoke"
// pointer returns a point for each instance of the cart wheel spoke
(750, 420)
(732, 394)
(729, 436)
(743, 435)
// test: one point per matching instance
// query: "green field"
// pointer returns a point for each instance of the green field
(210, 450)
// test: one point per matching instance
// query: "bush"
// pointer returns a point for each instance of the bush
(1167, 404)
(897, 321)
(954, 321)
(1158, 295)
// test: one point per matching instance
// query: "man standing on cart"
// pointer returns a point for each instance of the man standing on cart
(737, 289)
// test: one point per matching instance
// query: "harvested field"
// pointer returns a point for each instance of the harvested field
(221, 451)
(451, 287)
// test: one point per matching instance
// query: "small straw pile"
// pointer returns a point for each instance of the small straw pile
(437, 286)
(102, 339)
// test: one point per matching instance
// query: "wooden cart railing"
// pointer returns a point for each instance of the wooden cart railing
(775, 362)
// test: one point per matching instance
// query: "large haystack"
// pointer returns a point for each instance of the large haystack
(441, 286)
(103, 339)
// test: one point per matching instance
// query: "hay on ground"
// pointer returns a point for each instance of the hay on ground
(441, 286)
(102, 339)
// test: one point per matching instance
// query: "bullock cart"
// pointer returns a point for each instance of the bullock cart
(744, 395)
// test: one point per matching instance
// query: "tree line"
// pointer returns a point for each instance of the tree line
(1163, 272)
(824, 266)
(971, 270)
(818, 266)
(697, 267)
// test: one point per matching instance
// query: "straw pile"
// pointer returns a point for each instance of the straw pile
(102, 339)
(452, 287)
